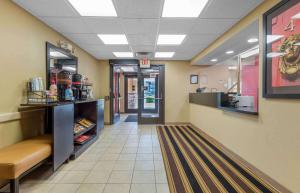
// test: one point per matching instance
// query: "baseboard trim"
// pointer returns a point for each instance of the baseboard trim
(243, 162)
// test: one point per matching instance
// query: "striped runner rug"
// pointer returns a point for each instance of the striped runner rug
(195, 165)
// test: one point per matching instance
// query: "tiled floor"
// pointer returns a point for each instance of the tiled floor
(125, 159)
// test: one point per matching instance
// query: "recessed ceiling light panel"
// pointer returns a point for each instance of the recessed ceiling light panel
(113, 39)
(123, 54)
(170, 39)
(183, 8)
(94, 7)
(214, 60)
(253, 40)
(164, 54)
(230, 52)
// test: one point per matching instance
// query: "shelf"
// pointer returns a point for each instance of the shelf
(79, 149)
(84, 131)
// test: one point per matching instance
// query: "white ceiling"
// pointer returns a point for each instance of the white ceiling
(238, 43)
(141, 21)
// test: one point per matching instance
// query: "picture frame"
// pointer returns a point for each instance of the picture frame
(194, 79)
(281, 50)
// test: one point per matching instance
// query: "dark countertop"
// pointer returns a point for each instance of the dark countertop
(245, 110)
(58, 103)
(216, 99)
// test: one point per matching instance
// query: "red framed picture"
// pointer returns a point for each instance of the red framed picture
(282, 50)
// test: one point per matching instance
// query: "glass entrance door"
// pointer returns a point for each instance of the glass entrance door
(131, 94)
(151, 95)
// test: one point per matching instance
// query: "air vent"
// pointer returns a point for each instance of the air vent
(143, 55)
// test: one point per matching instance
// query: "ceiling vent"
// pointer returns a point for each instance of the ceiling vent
(143, 55)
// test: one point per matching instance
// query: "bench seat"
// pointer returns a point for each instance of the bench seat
(20, 157)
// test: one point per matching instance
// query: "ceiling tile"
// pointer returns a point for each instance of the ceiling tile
(143, 48)
(142, 39)
(57, 8)
(84, 38)
(175, 26)
(139, 8)
(212, 26)
(104, 25)
(140, 26)
(234, 9)
(66, 25)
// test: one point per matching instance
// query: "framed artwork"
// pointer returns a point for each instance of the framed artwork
(281, 72)
(194, 79)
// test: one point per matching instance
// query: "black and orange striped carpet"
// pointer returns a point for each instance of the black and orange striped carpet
(195, 165)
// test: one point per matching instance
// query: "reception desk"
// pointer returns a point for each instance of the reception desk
(219, 100)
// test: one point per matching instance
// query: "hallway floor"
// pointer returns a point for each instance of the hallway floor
(126, 159)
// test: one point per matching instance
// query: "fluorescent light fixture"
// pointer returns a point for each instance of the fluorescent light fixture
(69, 68)
(164, 54)
(253, 40)
(128, 69)
(297, 16)
(94, 7)
(214, 60)
(230, 52)
(275, 54)
(170, 39)
(232, 67)
(273, 38)
(123, 54)
(113, 39)
(183, 8)
(56, 54)
(249, 53)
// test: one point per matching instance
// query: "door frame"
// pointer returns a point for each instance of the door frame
(161, 119)
(112, 63)
(126, 76)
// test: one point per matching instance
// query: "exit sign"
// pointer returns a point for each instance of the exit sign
(144, 63)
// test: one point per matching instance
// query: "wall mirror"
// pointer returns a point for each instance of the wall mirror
(59, 60)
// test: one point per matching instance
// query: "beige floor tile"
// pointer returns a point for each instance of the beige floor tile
(109, 156)
(99, 177)
(64, 188)
(120, 177)
(73, 177)
(145, 150)
(84, 166)
(117, 188)
(91, 188)
(124, 165)
(104, 165)
(35, 188)
(143, 177)
(159, 165)
(129, 150)
(162, 188)
(144, 165)
(161, 177)
(127, 157)
(144, 156)
(143, 188)
(158, 157)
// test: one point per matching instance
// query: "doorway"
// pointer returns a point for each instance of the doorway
(136, 92)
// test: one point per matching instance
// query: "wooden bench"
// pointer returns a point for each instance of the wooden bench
(21, 158)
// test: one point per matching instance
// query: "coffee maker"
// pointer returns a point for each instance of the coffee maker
(77, 86)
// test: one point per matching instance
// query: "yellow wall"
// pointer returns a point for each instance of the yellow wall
(271, 141)
(22, 56)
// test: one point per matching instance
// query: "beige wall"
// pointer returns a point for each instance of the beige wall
(271, 141)
(22, 56)
(177, 89)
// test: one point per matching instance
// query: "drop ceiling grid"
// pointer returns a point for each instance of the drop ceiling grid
(141, 21)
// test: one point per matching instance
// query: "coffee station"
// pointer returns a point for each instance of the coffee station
(73, 117)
